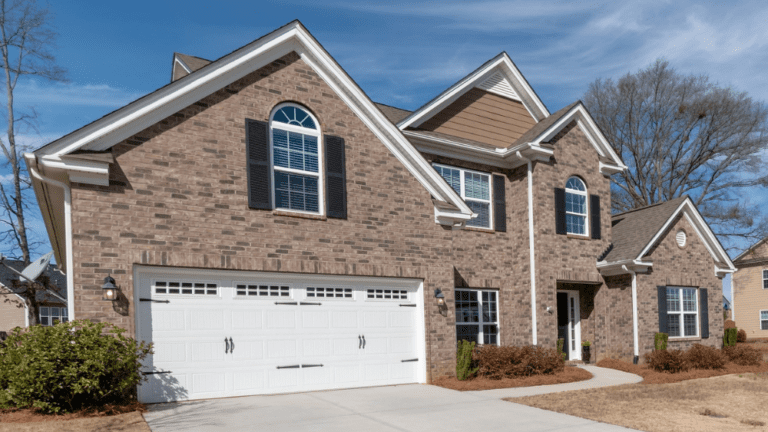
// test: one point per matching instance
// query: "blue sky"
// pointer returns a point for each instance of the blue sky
(400, 53)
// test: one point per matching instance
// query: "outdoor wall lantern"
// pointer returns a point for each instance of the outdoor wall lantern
(109, 289)
(440, 298)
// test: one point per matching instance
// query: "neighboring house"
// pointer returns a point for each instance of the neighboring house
(727, 307)
(749, 288)
(272, 229)
(14, 311)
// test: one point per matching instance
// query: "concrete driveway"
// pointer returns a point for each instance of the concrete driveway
(396, 408)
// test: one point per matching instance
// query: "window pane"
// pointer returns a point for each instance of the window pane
(673, 325)
(44, 311)
(294, 116)
(296, 192)
(576, 224)
(689, 321)
(689, 300)
(467, 333)
(483, 211)
(576, 203)
(44, 320)
(452, 176)
(575, 184)
(764, 315)
(489, 307)
(490, 334)
(64, 312)
(673, 300)
(55, 312)
(764, 325)
(294, 150)
(467, 309)
(476, 186)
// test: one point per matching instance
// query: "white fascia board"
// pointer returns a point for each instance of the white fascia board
(502, 63)
(106, 132)
(79, 171)
(609, 170)
(617, 267)
(702, 230)
(181, 63)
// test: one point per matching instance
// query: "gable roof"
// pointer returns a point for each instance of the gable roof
(392, 113)
(58, 293)
(742, 258)
(635, 232)
(184, 65)
(500, 73)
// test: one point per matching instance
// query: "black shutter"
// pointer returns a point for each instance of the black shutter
(335, 177)
(594, 215)
(704, 314)
(560, 227)
(663, 326)
(259, 180)
(499, 204)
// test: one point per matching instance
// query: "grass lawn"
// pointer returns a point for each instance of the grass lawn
(723, 403)
(570, 374)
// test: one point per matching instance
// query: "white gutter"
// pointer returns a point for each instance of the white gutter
(634, 313)
(67, 230)
(531, 248)
(733, 299)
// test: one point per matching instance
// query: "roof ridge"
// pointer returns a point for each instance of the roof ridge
(392, 106)
(649, 206)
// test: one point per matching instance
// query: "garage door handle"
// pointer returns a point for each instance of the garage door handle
(289, 367)
(154, 301)
(309, 304)
(407, 305)
(286, 303)
(359, 341)
(363, 341)
(409, 360)
(231, 346)
(226, 346)
(309, 366)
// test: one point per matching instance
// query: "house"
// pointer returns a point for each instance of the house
(271, 229)
(726, 308)
(749, 288)
(14, 311)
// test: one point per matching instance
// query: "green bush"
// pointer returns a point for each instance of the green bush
(464, 360)
(560, 345)
(497, 362)
(729, 338)
(69, 366)
(660, 341)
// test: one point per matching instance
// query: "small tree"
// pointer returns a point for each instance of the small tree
(683, 135)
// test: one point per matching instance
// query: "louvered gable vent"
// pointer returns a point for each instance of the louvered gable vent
(499, 85)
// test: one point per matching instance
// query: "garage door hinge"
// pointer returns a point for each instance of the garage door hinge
(154, 301)
(286, 303)
(289, 367)
(156, 372)
(409, 360)
(309, 366)
(309, 304)
(407, 305)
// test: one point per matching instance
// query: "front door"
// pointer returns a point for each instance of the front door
(569, 323)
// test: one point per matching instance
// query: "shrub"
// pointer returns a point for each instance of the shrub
(743, 355)
(560, 344)
(729, 324)
(704, 357)
(729, 338)
(660, 341)
(69, 366)
(464, 360)
(672, 361)
(741, 336)
(497, 362)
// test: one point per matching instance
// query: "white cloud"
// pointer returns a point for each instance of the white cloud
(33, 93)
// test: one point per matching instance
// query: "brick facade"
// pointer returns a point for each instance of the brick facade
(178, 197)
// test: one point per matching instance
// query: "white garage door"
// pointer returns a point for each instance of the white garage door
(218, 335)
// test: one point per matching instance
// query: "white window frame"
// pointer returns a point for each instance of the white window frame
(765, 279)
(480, 323)
(585, 194)
(462, 182)
(62, 310)
(679, 314)
(760, 317)
(320, 157)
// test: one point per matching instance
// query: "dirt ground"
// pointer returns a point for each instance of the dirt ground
(129, 422)
(570, 374)
(724, 403)
(652, 377)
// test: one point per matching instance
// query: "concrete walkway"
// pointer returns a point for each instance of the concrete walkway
(418, 408)
(603, 377)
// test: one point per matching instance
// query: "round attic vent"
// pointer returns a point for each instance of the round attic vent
(680, 238)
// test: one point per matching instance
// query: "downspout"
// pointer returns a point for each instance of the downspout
(67, 232)
(531, 248)
(733, 299)
(634, 314)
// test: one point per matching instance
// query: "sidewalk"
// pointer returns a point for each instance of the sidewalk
(603, 377)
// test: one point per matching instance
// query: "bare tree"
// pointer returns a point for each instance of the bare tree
(26, 40)
(681, 134)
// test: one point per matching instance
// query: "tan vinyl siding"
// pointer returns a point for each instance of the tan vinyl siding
(11, 311)
(482, 116)
(749, 298)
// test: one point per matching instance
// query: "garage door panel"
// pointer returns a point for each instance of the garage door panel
(170, 352)
(206, 319)
(281, 349)
(317, 319)
(402, 344)
(317, 377)
(402, 318)
(283, 379)
(209, 351)
(249, 381)
(168, 320)
(346, 346)
(247, 319)
(208, 383)
(281, 319)
(402, 372)
(344, 319)
(247, 350)
(346, 374)
(376, 372)
(375, 319)
(316, 347)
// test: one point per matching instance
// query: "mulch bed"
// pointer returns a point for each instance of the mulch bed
(651, 376)
(30, 415)
(570, 374)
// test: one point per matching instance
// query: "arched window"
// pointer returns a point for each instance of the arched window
(296, 159)
(576, 206)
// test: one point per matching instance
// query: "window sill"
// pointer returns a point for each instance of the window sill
(299, 215)
(579, 237)
(479, 229)
(684, 339)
